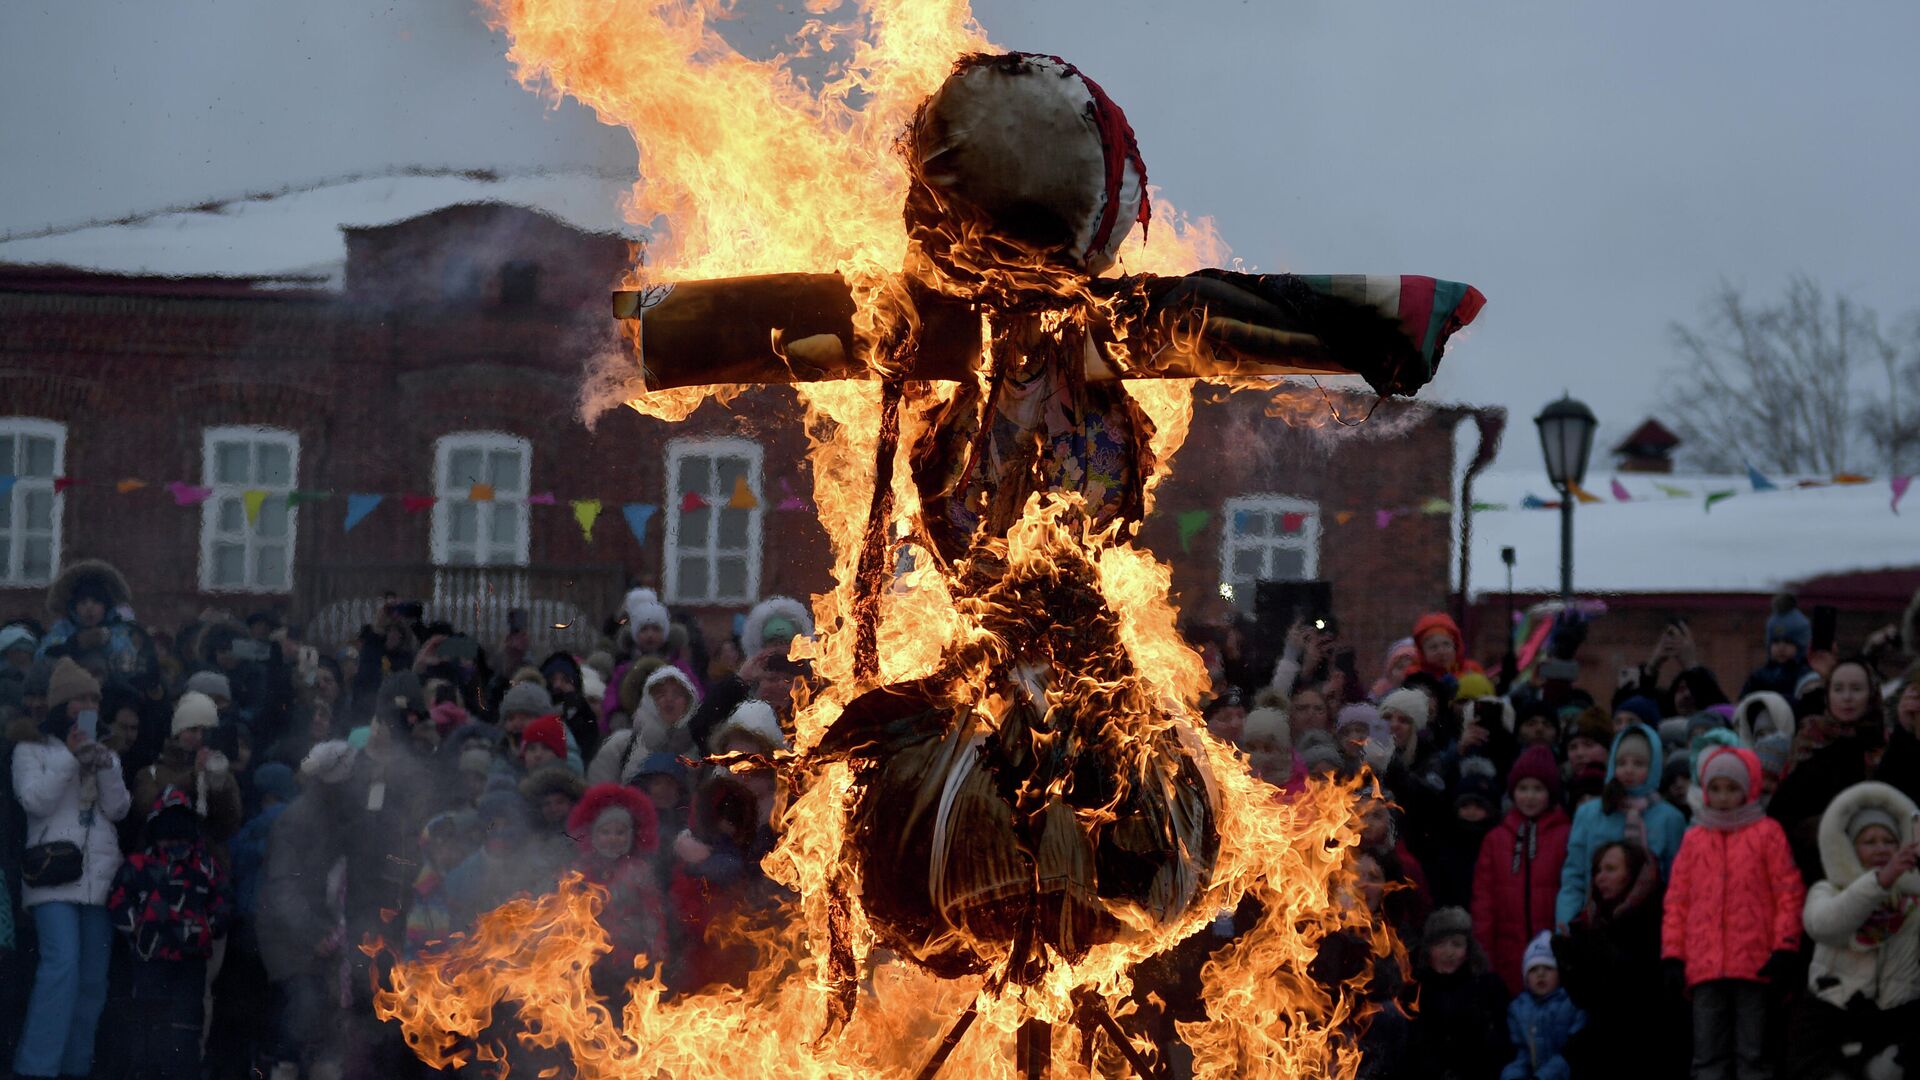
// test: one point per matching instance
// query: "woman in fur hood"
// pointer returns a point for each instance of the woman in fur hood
(667, 703)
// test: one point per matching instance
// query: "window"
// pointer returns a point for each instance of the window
(712, 553)
(33, 453)
(490, 530)
(246, 526)
(1267, 538)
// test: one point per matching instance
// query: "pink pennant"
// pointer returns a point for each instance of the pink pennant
(545, 498)
(1382, 518)
(1620, 491)
(792, 502)
(62, 483)
(1900, 485)
(691, 501)
(185, 494)
(413, 504)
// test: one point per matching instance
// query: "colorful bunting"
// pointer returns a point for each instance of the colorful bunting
(62, 483)
(788, 500)
(637, 515)
(1436, 506)
(6, 485)
(480, 493)
(1484, 507)
(413, 504)
(1343, 516)
(1534, 502)
(358, 507)
(691, 501)
(1672, 492)
(185, 494)
(586, 512)
(743, 496)
(1292, 522)
(1847, 478)
(1190, 523)
(1900, 484)
(1620, 491)
(1759, 482)
(1382, 518)
(1719, 496)
(544, 498)
(1584, 495)
(295, 498)
(129, 486)
(252, 500)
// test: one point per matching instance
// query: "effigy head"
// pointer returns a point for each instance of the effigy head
(1022, 166)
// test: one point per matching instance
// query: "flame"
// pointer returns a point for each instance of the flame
(790, 162)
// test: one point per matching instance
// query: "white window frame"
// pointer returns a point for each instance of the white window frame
(210, 531)
(13, 554)
(1306, 541)
(678, 451)
(445, 497)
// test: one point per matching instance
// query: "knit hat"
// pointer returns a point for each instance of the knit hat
(754, 719)
(329, 762)
(68, 681)
(643, 608)
(1789, 623)
(1593, 723)
(553, 780)
(1643, 709)
(526, 697)
(1730, 763)
(1444, 923)
(211, 683)
(546, 731)
(194, 710)
(662, 763)
(1868, 816)
(1267, 727)
(401, 695)
(275, 780)
(1772, 750)
(1317, 752)
(1411, 704)
(1474, 686)
(17, 637)
(1477, 783)
(1673, 732)
(1357, 715)
(476, 759)
(776, 620)
(1535, 763)
(447, 716)
(1539, 953)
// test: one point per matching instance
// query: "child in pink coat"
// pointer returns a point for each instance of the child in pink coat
(1732, 921)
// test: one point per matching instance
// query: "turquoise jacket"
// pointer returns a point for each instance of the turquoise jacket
(1594, 829)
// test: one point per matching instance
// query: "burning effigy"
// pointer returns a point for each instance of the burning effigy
(1000, 803)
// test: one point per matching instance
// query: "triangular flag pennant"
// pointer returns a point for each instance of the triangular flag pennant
(252, 501)
(1292, 522)
(1382, 518)
(413, 504)
(358, 507)
(6, 485)
(1343, 516)
(788, 500)
(1900, 484)
(1485, 507)
(480, 493)
(1672, 492)
(1620, 491)
(544, 498)
(62, 483)
(1242, 521)
(586, 512)
(1851, 478)
(1719, 496)
(691, 501)
(295, 498)
(1436, 506)
(637, 515)
(185, 494)
(1533, 502)
(743, 496)
(1584, 495)
(1190, 523)
(1759, 482)
(128, 487)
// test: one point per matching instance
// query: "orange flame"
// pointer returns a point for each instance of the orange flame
(750, 166)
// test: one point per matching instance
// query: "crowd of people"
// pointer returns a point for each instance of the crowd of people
(205, 826)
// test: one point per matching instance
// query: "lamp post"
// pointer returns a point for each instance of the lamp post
(1566, 438)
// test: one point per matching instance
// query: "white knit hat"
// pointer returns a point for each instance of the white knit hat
(753, 718)
(1539, 953)
(194, 710)
(643, 608)
(210, 683)
(1409, 703)
(329, 762)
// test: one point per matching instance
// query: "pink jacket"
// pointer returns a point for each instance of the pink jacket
(1735, 896)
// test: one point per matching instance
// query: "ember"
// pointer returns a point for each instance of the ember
(1001, 803)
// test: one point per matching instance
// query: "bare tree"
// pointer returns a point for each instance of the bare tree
(1808, 384)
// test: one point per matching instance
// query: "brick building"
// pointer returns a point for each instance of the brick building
(448, 354)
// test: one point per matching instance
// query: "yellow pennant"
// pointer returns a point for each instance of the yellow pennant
(252, 500)
(586, 512)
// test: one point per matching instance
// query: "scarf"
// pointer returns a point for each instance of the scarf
(1526, 843)
(1635, 831)
(1729, 820)
(1885, 920)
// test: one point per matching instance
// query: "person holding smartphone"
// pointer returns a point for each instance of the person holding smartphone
(73, 792)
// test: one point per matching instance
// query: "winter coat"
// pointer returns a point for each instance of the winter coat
(171, 902)
(623, 751)
(294, 912)
(1539, 1029)
(1593, 828)
(214, 791)
(1866, 938)
(47, 780)
(248, 853)
(1811, 786)
(1458, 1032)
(1610, 965)
(1734, 898)
(1515, 882)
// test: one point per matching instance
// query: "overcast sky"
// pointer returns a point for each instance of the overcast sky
(1595, 168)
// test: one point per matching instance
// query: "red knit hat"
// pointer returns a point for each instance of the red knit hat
(1536, 763)
(548, 732)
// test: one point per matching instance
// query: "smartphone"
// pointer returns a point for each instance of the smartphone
(1826, 627)
(1629, 676)
(459, 647)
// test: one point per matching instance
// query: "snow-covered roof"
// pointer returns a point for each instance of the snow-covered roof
(1757, 541)
(297, 234)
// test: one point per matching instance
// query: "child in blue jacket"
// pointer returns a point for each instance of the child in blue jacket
(1541, 1019)
(1629, 809)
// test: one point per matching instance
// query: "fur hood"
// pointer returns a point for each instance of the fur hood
(60, 593)
(753, 634)
(646, 823)
(1836, 850)
(1761, 702)
(646, 716)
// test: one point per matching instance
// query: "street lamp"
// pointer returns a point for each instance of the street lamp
(1566, 438)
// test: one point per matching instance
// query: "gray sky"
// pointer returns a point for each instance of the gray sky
(1595, 168)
